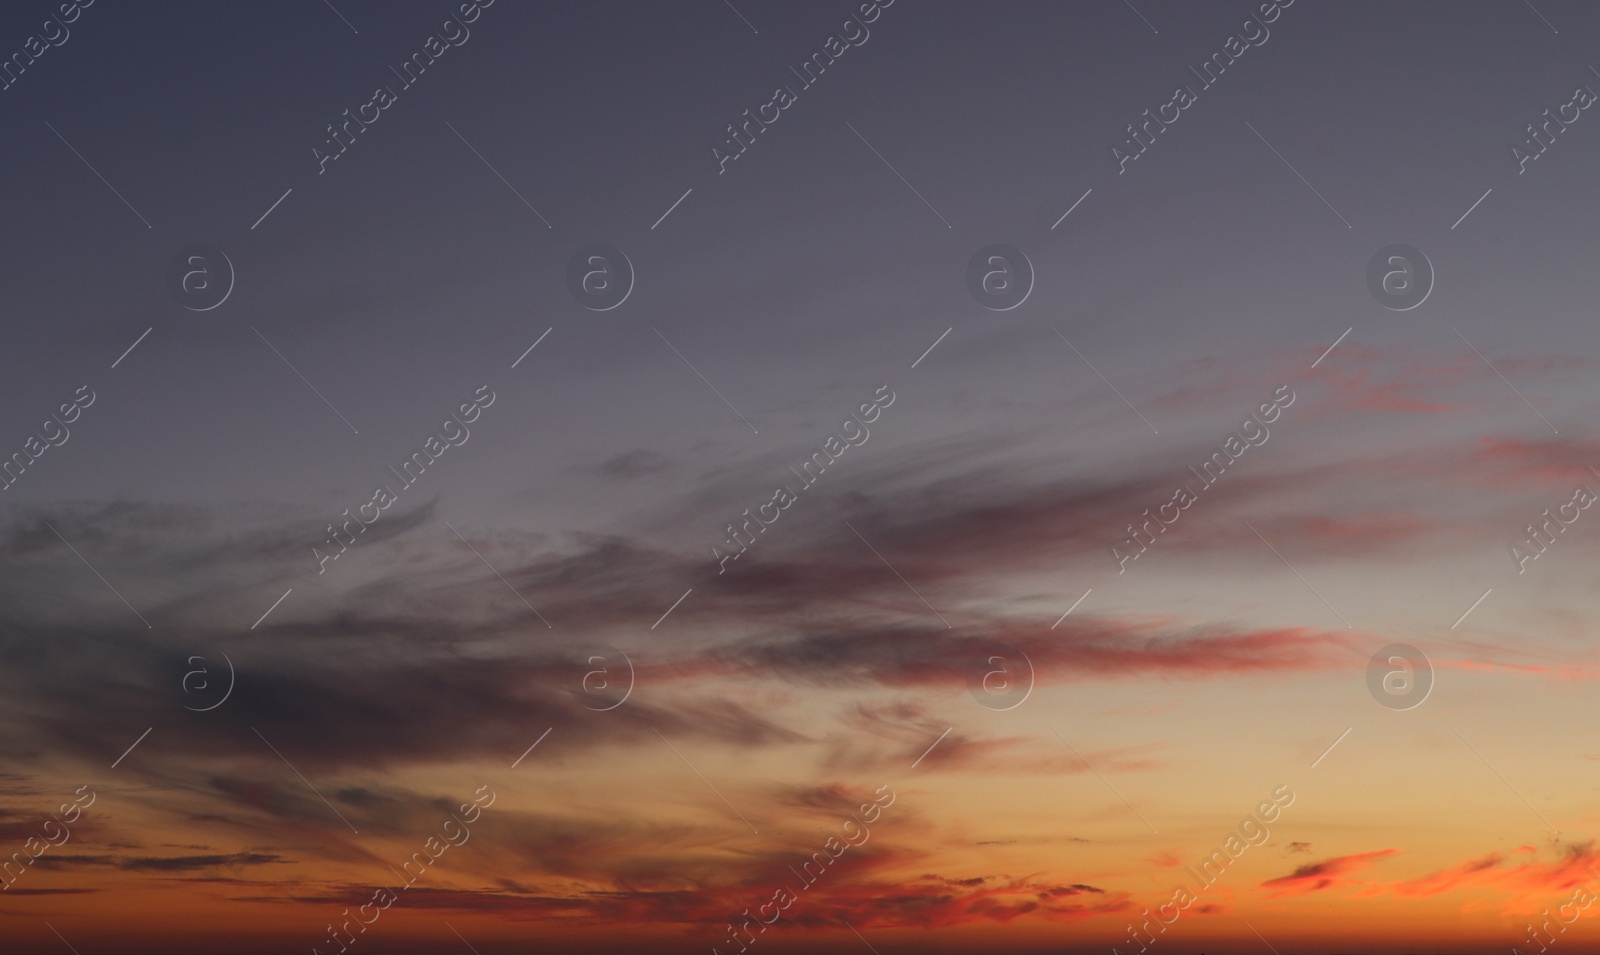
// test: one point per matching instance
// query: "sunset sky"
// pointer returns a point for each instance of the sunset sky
(227, 721)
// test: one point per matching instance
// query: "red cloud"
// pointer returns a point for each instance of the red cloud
(866, 652)
(1360, 389)
(1420, 384)
(1524, 887)
(1563, 462)
(1372, 527)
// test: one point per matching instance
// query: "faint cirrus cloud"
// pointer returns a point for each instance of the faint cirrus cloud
(631, 465)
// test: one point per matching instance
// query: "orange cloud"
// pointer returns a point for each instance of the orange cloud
(1520, 888)
(1447, 879)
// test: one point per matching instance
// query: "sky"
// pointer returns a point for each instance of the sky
(1169, 477)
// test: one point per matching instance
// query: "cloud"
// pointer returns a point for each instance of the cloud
(1515, 462)
(1328, 873)
(163, 863)
(1086, 647)
(631, 465)
(355, 684)
(1413, 386)
(418, 656)
(929, 901)
(1517, 888)
(1447, 879)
